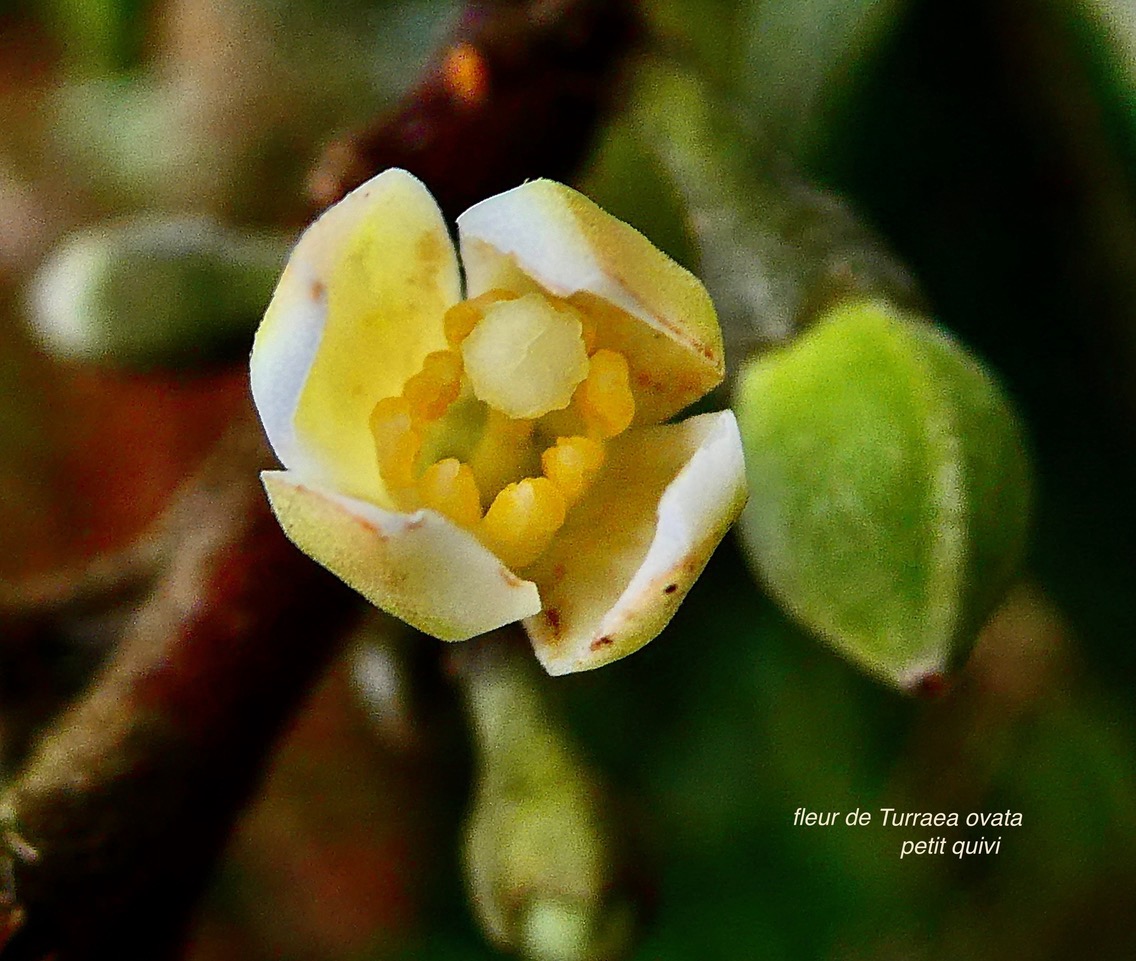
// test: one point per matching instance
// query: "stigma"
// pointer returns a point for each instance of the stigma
(548, 400)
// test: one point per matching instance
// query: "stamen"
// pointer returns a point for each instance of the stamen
(572, 465)
(523, 519)
(588, 332)
(397, 443)
(526, 357)
(450, 488)
(604, 398)
(430, 392)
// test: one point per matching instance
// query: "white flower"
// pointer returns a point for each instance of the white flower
(466, 463)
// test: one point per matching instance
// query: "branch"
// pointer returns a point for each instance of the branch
(515, 94)
(122, 810)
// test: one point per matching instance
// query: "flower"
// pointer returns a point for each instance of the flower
(467, 463)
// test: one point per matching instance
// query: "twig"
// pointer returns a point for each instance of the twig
(515, 94)
(106, 580)
(111, 829)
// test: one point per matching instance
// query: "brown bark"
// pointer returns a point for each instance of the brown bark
(113, 826)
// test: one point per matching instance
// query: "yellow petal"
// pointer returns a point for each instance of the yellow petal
(359, 306)
(420, 567)
(645, 306)
(631, 549)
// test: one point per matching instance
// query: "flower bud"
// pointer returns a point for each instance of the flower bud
(889, 489)
(539, 856)
(154, 293)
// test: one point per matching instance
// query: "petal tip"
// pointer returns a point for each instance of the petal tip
(698, 504)
(417, 566)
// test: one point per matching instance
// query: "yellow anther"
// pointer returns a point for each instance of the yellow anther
(572, 465)
(397, 443)
(522, 520)
(604, 399)
(588, 332)
(450, 488)
(459, 321)
(466, 314)
(430, 392)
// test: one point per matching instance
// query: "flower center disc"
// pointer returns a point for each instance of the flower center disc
(531, 361)
(526, 357)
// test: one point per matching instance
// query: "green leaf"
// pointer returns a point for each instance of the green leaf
(888, 489)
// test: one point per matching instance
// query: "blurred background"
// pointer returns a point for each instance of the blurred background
(991, 144)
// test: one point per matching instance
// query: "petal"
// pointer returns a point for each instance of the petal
(419, 567)
(631, 550)
(648, 307)
(358, 307)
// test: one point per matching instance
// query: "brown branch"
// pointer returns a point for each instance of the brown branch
(515, 94)
(106, 580)
(112, 828)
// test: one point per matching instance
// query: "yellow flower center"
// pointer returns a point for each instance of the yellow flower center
(525, 358)
(542, 394)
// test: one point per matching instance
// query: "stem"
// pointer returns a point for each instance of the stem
(515, 94)
(775, 251)
(124, 806)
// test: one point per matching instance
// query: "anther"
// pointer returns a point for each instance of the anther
(523, 519)
(572, 465)
(450, 488)
(430, 392)
(466, 314)
(397, 443)
(604, 399)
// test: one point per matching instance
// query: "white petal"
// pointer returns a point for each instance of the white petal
(631, 550)
(545, 235)
(358, 307)
(419, 566)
